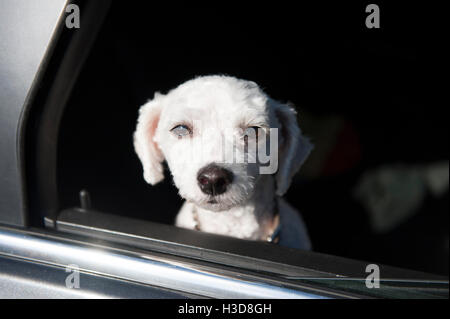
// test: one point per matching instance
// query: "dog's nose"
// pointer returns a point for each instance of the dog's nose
(214, 180)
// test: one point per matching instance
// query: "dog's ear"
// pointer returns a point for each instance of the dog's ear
(293, 149)
(144, 144)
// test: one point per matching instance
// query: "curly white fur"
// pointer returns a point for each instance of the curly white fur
(211, 106)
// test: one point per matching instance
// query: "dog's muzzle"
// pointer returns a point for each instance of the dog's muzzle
(214, 180)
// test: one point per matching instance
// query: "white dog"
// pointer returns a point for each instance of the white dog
(186, 127)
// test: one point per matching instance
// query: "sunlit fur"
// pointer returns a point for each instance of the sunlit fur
(212, 107)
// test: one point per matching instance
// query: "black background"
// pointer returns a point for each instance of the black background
(321, 57)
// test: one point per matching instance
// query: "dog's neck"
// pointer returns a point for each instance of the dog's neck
(252, 220)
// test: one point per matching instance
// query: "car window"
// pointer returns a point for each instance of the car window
(366, 192)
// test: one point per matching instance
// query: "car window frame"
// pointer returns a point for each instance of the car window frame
(69, 49)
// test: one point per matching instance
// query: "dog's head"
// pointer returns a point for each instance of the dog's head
(210, 130)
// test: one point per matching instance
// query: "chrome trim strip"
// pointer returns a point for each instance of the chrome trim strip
(143, 268)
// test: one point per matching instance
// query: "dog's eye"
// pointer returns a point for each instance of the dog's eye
(251, 131)
(181, 130)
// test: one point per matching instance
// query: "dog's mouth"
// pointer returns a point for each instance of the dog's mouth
(216, 203)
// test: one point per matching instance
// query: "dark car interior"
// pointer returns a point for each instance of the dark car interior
(363, 95)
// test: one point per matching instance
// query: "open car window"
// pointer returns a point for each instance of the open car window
(367, 194)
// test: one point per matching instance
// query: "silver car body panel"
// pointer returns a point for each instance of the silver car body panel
(27, 31)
